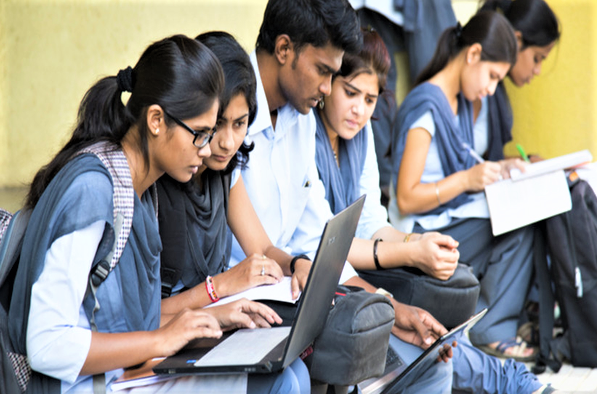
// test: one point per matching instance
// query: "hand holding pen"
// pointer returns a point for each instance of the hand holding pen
(484, 173)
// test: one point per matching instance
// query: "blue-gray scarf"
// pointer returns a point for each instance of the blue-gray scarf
(341, 184)
(449, 134)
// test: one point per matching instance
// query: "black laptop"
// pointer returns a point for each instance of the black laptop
(265, 350)
(398, 375)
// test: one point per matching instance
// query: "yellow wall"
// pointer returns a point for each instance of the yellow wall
(52, 51)
(555, 114)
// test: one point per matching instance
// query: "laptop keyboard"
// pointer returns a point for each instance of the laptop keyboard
(393, 360)
(245, 347)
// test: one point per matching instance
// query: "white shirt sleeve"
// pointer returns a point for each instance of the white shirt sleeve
(374, 215)
(234, 177)
(58, 334)
(425, 122)
(308, 232)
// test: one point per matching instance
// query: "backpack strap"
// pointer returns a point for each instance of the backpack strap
(174, 235)
(5, 218)
(547, 353)
(124, 194)
(115, 161)
(10, 249)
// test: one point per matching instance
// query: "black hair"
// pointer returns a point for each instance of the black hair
(534, 19)
(239, 78)
(177, 73)
(313, 22)
(373, 58)
(487, 28)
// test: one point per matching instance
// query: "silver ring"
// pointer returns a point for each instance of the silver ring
(262, 270)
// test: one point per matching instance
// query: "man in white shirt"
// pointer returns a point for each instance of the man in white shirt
(300, 46)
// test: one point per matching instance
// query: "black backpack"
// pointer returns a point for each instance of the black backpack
(572, 246)
(13, 370)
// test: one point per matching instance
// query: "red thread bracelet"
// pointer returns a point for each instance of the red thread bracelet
(211, 290)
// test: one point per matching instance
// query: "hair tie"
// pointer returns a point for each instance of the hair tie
(458, 30)
(504, 6)
(124, 79)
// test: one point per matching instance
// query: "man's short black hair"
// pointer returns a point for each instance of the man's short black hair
(314, 22)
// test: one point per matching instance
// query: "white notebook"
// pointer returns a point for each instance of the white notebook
(536, 194)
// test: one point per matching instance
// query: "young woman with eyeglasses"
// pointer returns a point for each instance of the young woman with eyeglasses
(72, 222)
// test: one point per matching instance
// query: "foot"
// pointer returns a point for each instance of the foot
(514, 348)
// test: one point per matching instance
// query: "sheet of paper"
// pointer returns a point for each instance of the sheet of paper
(276, 292)
(139, 377)
(551, 165)
(515, 204)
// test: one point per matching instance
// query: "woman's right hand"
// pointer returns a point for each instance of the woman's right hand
(182, 328)
(481, 175)
(248, 274)
(244, 314)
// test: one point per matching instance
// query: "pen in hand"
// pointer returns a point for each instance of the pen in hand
(476, 156)
(523, 154)
(472, 152)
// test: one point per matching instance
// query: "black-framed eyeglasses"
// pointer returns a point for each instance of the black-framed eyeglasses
(201, 139)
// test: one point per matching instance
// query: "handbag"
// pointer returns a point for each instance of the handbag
(450, 301)
(353, 344)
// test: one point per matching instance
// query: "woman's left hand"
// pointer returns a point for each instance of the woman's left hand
(509, 164)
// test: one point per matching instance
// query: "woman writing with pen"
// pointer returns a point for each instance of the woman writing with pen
(438, 184)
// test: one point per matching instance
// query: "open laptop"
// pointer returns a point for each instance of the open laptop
(265, 350)
(398, 374)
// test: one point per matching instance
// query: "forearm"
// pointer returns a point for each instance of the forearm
(110, 351)
(193, 298)
(389, 254)
(424, 197)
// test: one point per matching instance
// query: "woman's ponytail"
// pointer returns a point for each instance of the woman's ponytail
(488, 28)
(448, 46)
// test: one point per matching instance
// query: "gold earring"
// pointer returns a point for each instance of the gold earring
(321, 104)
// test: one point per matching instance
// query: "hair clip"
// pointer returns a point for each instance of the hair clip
(458, 30)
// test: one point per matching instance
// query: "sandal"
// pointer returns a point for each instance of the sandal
(517, 344)
(529, 333)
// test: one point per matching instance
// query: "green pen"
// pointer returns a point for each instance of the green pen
(522, 153)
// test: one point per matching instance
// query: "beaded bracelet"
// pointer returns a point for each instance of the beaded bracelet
(211, 290)
(295, 258)
(375, 259)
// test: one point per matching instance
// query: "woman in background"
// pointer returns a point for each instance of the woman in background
(438, 183)
(537, 31)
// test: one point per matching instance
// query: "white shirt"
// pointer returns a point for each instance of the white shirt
(282, 181)
(374, 215)
(433, 172)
